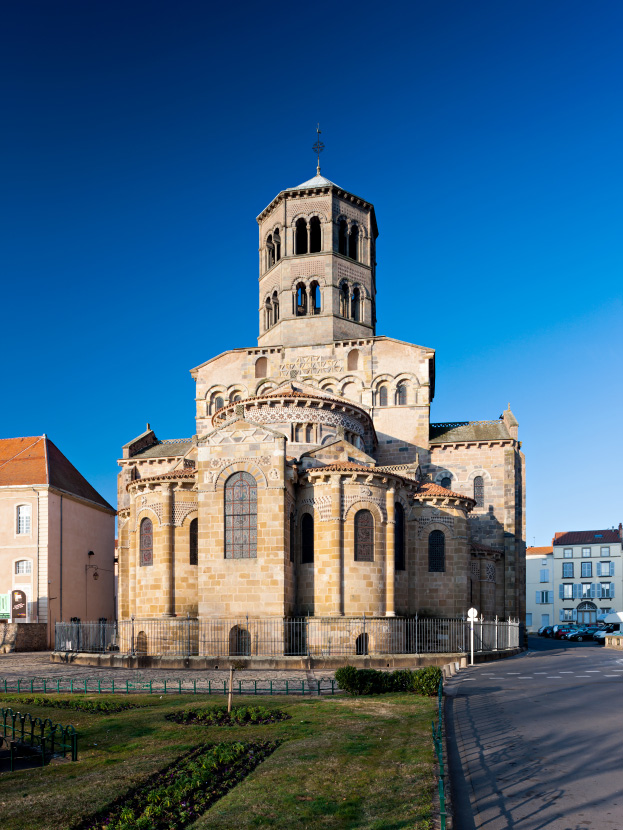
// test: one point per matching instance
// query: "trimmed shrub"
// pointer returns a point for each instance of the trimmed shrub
(372, 682)
(219, 716)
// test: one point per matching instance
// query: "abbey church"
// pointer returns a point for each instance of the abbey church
(315, 483)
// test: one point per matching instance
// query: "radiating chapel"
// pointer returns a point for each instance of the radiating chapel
(315, 483)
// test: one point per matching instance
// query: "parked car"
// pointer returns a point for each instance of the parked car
(611, 628)
(580, 634)
(547, 631)
(541, 631)
(561, 631)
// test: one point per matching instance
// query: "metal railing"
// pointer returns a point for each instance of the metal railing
(21, 729)
(438, 742)
(318, 637)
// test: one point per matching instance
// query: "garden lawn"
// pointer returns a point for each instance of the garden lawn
(344, 763)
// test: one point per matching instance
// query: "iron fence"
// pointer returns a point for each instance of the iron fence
(318, 637)
(438, 742)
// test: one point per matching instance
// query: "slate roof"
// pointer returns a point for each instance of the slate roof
(37, 460)
(586, 537)
(317, 181)
(461, 431)
(166, 449)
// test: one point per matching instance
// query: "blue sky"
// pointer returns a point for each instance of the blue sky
(141, 139)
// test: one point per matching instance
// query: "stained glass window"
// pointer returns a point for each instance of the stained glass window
(240, 517)
(446, 481)
(436, 551)
(479, 491)
(193, 542)
(147, 542)
(364, 536)
(399, 539)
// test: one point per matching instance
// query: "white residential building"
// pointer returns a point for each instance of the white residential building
(539, 587)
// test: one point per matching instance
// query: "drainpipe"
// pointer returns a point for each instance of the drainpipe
(60, 593)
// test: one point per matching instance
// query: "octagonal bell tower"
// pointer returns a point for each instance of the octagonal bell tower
(317, 266)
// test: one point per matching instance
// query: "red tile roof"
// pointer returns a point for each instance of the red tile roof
(427, 488)
(478, 548)
(586, 537)
(187, 472)
(36, 460)
(536, 551)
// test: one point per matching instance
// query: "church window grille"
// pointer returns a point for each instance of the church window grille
(300, 237)
(436, 552)
(307, 539)
(399, 538)
(353, 360)
(301, 300)
(193, 542)
(446, 481)
(356, 305)
(402, 392)
(240, 517)
(23, 519)
(315, 235)
(382, 396)
(364, 536)
(292, 537)
(342, 237)
(479, 491)
(353, 242)
(261, 367)
(146, 543)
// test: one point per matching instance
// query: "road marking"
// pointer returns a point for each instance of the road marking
(512, 672)
(611, 675)
(553, 677)
(540, 672)
(525, 677)
(593, 671)
(567, 672)
(582, 675)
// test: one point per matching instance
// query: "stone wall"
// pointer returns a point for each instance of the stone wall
(23, 637)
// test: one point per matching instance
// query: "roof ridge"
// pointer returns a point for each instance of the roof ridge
(37, 439)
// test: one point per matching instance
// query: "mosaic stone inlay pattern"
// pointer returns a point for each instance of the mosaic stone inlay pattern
(312, 365)
(300, 415)
(322, 504)
(489, 572)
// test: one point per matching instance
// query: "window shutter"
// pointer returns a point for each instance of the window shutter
(593, 590)
(538, 597)
(561, 590)
(612, 589)
(598, 591)
(550, 597)
(575, 613)
(560, 614)
(577, 591)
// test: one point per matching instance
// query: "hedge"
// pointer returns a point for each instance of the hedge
(373, 682)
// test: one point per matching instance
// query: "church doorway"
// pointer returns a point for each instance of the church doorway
(361, 644)
(587, 613)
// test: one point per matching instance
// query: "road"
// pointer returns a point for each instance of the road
(536, 741)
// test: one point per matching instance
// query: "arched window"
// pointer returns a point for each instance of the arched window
(479, 491)
(307, 538)
(364, 536)
(193, 542)
(300, 237)
(147, 543)
(315, 298)
(351, 391)
(23, 566)
(436, 551)
(301, 300)
(267, 314)
(401, 394)
(315, 235)
(399, 537)
(446, 482)
(270, 251)
(329, 390)
(261, 367)
(239, 642)
(292, 537)
(23, 519)
(342, 237)
(240, 517)
(356, 306)
(353, 359)
(275, 307)
(277, 243)
(381, 396)
(353, 240)
(361, 644)
(309, 433)
(344, 298)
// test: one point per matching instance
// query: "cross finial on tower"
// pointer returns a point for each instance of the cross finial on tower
(318, 148)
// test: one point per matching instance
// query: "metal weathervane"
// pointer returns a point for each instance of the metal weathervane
(318, 148)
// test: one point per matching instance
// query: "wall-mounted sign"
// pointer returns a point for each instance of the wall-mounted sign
(18, 605)
(5, 606)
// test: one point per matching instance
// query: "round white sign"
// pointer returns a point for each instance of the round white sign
(472, 614)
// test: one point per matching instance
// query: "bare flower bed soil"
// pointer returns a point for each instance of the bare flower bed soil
(177, 795)
(219, 716)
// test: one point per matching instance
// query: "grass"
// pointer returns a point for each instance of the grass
(344, 764)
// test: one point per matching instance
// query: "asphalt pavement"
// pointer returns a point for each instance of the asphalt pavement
(536, 741)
